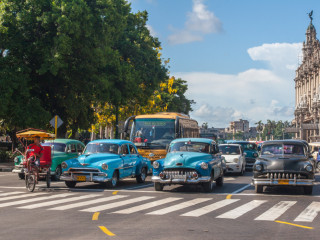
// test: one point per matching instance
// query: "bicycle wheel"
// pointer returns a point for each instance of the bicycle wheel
(48, 178)
(30, 182)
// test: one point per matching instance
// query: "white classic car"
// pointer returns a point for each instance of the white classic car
(234, 156)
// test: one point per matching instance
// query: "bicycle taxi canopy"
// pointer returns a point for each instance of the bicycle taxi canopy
(30, 133)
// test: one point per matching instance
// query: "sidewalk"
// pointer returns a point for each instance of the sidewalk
(6, 166)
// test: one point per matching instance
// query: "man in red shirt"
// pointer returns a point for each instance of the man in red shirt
(34, 151)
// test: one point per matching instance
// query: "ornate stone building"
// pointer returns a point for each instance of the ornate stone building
(307, 89)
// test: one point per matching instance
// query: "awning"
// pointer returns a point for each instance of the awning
(30, 133)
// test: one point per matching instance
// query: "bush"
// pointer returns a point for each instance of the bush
(5, 156)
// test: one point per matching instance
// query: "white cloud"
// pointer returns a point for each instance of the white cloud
(254, 94)
(151, 30)
(199, 22)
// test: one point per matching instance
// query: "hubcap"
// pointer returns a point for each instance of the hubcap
(114, 181)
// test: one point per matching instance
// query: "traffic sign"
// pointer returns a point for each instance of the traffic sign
(59, 121)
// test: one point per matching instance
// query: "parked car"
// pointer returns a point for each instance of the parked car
(62, 149)
(234, 156)
(106, 161)
(189, 161)
(284, 163)
(250, 151)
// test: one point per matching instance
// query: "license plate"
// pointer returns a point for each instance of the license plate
(81, 178)
(283, 182)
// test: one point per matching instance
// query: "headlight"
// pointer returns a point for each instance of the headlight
(104, 166)
(309, 168)
(245, 154)
(204, 165)
(255, 155)
(64, 165)
(258, 167)
(156, 164)
(235, 160)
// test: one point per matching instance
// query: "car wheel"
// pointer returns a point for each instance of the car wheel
(258, 188)
(58, 173)
(114, 180)
(48, 179)
(318, 166)
(142, 176)
(70, 184)
(219, 181)
(21, 176)
(308, 190)
(208, 186)
(158, 186)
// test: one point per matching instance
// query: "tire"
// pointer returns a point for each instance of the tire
(30, 182)
(219, 181)
(242, 171)
(48, 179)
(308, 190)
(158, 186)
(114, 180)
(70, 184)
(141, 178)
(208, 186)
(58, 173)
(258, 188)
(21, 176)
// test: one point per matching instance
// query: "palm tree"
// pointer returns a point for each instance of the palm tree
(259, 127)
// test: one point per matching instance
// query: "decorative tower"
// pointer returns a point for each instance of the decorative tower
(311, 40)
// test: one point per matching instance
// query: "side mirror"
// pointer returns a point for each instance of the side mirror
(69, 151)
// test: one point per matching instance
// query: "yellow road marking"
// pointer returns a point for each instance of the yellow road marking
(296, 225)
(95, 216)
(229, 196)
(106, 231)
(115, 192)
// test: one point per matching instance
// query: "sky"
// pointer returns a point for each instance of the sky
(238, 57)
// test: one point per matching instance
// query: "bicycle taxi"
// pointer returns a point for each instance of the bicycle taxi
(33, 172)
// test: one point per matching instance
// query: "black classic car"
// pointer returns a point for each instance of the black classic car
(284, 163)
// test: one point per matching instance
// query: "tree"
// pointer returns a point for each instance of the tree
(260, 127)
(205, 125)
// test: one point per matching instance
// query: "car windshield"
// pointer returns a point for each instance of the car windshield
(58, 147)
(286, 149)
(153, 132)
(189, 147)
(101, 148)
(229, 150)
(248, 146)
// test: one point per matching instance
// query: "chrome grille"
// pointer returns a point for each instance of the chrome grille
(285, 175)
(179, 173)
(87, 170)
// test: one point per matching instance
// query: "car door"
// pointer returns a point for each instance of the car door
(126, 160)
(134, 156)
(242, 157)
(72, 151)
(217, 161)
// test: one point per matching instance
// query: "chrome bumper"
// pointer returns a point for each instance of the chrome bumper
(232, 167)
(180, 180)
(282, 182)
(90, 177)
(18, 170)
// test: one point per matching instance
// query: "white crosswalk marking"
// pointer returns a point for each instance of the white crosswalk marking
(239, 211)
(276, 211)
(9, 193)
(179, 206)
(50, 203)
(34, 199)
(115, 205)
(309, 213)
(209, 208)
(147, 205)
(22, 196)
(86, 203)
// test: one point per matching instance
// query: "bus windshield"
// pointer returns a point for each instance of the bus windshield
(153, 132)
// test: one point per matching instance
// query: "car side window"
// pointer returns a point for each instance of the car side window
(132, 149)
(73, 148)
(124, 149)
(79, 148)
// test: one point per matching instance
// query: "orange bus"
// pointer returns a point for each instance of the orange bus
(152, 133)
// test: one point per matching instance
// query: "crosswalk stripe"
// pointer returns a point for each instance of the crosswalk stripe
(179, 206)
(210, 208)
(21, 196)
(115, 205)
(239, 211)
(147, 205)
(276, 211)
(9, 193)
(50, 203)
(309, 213)
(81, 204)
(34, 199)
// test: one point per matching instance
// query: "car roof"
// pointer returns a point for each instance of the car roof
(290, 141)
(63, 140)
(230, 144)
(202, 140)
(114, 141)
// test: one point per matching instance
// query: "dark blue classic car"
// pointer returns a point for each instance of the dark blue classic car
(189, 161)
(106, 161)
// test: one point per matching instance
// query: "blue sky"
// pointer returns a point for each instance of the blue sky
(238, 57)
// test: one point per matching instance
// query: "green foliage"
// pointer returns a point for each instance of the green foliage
(276, 130)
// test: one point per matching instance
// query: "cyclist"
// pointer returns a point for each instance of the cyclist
(34, 151)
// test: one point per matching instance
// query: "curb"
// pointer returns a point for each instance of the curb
(6, 169)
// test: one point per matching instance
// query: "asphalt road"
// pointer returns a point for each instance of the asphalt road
(136, 211)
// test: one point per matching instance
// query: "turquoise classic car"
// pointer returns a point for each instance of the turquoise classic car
(250, 151)
(189, 161)
(62, 149)
(106, 161)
